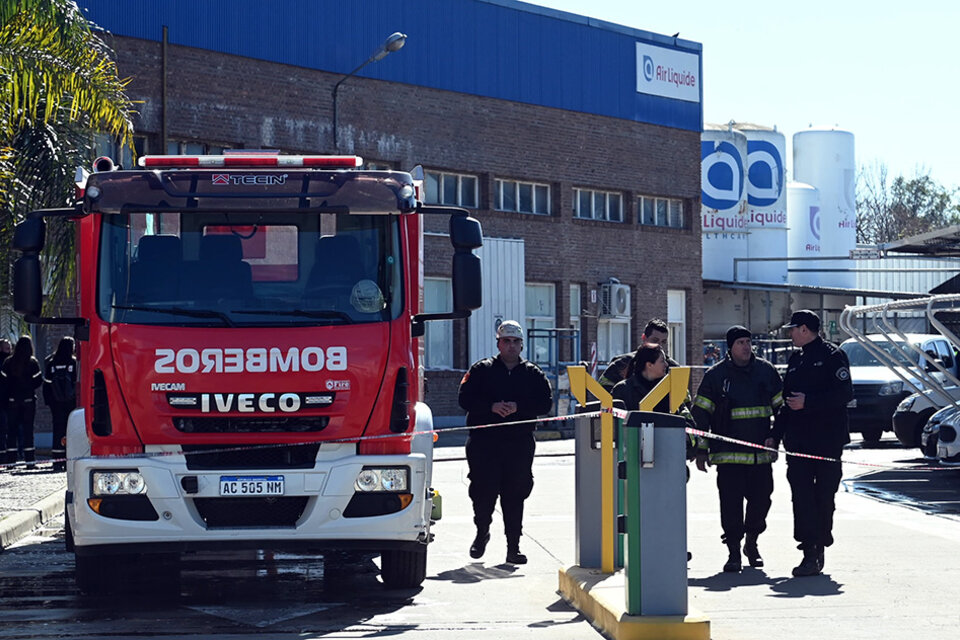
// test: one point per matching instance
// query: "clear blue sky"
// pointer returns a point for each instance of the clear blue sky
(886, 71)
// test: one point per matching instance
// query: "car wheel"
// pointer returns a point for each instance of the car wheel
(403, 569)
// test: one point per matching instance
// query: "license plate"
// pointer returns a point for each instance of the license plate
(251, 485)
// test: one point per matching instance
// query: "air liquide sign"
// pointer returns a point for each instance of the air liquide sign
(668, 73)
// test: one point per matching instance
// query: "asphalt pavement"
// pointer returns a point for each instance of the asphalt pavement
(890, 574)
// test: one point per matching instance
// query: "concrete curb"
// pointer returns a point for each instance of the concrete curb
(600, 598)
(20, 524)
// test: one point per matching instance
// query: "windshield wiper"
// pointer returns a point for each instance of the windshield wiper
(302, 313)
(180, 311)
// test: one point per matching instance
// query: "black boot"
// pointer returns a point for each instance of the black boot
(479, 543)
(819, 549)
(513, 552)
(751, 551)
(734, 563)
(809, 565)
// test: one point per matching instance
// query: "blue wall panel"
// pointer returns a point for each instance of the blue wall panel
(494, 48)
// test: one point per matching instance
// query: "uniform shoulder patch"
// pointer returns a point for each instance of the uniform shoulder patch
(465, 377)
(843, 373)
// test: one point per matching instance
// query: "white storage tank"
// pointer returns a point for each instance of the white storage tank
(723, 154)
(803, 233)
(766, 204)
(824, 158)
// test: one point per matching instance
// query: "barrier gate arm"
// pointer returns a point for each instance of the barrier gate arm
(580, 383)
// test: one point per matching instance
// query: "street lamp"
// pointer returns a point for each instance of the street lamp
(393, 43)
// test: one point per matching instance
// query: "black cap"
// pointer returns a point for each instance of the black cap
(806, 318)
(736, 332)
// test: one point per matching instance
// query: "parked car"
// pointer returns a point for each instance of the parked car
(877, 389)
(948, 445)
(931, 431)
(914, 411)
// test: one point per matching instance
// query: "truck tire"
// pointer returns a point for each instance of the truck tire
(155, 574)
(401, 569)
(67, 532)
(871, 435)
(93, 575)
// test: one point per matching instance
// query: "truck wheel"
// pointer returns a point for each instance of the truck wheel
(871, 435)
(155, 574)
(67, 532)
(93, 575)
(403, 569)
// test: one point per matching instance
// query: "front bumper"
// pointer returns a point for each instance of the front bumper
(310, 514)
(872, 411)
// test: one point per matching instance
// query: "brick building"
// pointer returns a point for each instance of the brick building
(586, 180)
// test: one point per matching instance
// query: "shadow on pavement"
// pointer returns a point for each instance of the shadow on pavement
(821, 585)
(475, 572)
(725, 581)
(560, 606)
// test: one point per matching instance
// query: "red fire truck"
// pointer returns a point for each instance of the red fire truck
(251, 371)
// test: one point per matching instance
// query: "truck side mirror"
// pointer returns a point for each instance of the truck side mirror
(27, 285)
(465, 236)
(29, 235)
(465, 232)
(467, 282)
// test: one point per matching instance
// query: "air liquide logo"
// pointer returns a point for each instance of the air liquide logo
(667, 72)
(721, 171)
(648, 68)
(815, 224)
(764, 173)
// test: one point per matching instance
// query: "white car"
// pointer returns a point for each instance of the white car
(878, 389)
(913, 412)
(948, 445)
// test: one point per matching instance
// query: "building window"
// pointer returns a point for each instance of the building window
(597, 205)
(193, 148)
(540, 314)
(450, 188)
(660, 212)
(110, 147)
(575, 306)
(379, 166)
(613, 338)
(438, 339)
(522, 197)
(677, 324)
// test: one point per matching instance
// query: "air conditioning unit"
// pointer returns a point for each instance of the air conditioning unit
(614, 300)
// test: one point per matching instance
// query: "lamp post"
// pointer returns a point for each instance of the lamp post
(394, 42)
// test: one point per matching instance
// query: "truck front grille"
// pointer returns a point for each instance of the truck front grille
(230, 456)
(251, 425)
(221, 513)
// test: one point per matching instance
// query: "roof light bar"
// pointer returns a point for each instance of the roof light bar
(251, 160)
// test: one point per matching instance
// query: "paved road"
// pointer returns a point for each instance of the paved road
(890, 575)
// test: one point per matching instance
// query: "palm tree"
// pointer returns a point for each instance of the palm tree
(58, 88)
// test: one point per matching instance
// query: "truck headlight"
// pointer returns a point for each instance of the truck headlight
(118, 483)
(891, 388)
(382, 479)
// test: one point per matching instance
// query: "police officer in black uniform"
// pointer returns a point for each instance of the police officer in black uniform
(505, 388)
(813, 420)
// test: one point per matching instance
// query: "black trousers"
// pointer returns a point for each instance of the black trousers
(814, 485)
(59, 412)
(500, 468)
(737, 483)
(4, 454)
(20, 428)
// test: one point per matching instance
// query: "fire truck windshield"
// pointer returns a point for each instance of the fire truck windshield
(249, 269)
